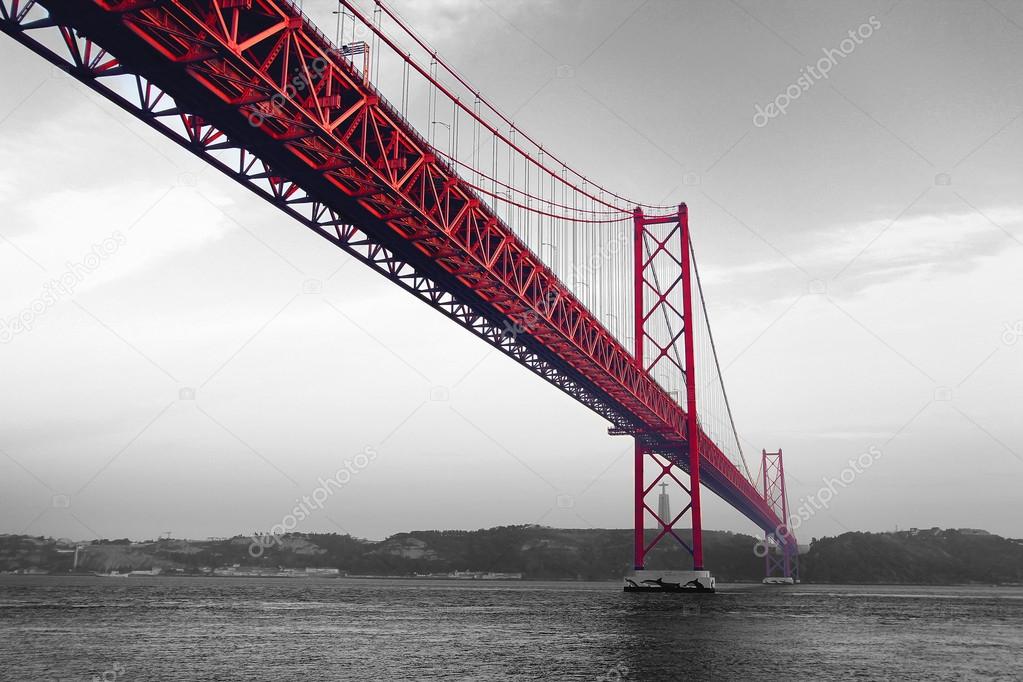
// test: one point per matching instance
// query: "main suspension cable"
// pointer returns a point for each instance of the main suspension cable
(717, 364)
(435, 58)
(553, 204)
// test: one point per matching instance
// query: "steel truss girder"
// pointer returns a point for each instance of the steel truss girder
(347, 146)
(387, 169)
(203, 140)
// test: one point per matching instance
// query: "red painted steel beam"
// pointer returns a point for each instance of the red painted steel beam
(639, 452)
(266, 76)
(692, 424)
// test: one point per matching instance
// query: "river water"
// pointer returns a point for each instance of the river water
(163, 628)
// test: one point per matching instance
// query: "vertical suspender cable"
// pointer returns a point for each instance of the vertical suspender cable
(375, 52)
(432, 103)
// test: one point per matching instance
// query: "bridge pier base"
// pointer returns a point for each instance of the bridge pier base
(652, 580)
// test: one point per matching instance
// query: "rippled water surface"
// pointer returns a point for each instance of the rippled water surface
(81, 628)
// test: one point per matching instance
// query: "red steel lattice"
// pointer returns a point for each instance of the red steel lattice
(253, 88)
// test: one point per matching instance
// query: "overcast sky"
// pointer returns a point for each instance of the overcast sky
(861, 255)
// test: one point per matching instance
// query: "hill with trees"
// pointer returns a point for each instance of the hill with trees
(931, 556)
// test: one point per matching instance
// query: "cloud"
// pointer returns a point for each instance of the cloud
(919, 243)
(157, 222)
(850, 257)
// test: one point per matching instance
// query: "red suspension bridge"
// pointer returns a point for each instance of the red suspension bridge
(380, 147)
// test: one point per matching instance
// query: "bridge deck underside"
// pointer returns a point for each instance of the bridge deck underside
(346, 165)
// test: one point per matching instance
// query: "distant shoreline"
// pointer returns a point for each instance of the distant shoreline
(951, 557)
(502, 581)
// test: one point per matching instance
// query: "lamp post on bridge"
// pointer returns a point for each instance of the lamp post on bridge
(508, 208)
(342, 14)
(554, 252)
(448, 126)
(613, 328)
